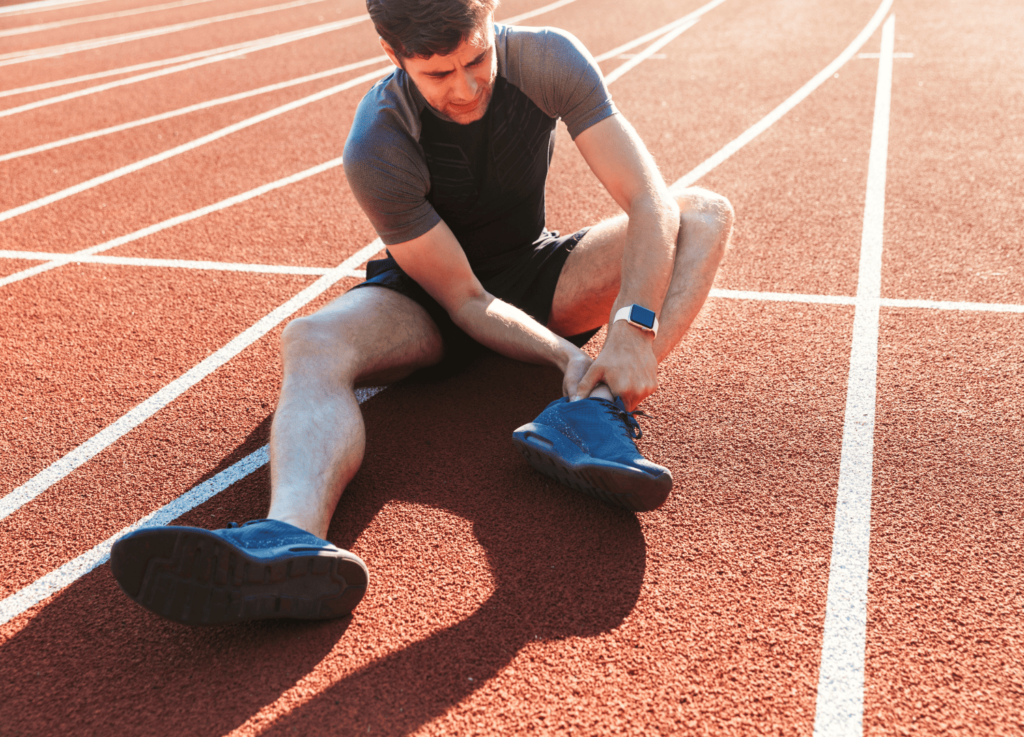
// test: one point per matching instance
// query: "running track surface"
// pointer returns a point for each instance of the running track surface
(501, 603)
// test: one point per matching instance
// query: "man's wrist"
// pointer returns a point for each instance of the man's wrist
(624, 330)
(567, 354)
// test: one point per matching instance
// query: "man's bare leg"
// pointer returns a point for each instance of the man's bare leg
(590, 280)
(366, 337)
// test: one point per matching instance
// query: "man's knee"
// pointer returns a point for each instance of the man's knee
(706, 215)
(313, 343)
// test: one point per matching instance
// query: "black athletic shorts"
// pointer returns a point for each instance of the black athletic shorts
(527, 280)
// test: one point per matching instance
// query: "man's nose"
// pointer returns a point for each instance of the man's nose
(465, 85)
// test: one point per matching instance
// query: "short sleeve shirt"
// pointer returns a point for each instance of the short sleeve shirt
(411, 167)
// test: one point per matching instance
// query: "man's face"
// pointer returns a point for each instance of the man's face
(459, 84)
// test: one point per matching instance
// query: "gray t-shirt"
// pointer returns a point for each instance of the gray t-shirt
(410, 166)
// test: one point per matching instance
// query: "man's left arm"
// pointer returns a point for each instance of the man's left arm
(615, 153)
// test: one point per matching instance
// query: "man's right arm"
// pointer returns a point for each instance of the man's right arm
(438, 264)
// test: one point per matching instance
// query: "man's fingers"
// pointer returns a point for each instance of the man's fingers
(590, 379)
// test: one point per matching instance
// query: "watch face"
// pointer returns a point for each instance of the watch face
(642, 316)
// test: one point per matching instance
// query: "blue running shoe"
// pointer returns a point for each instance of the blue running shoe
(260, 570)
(589, 446)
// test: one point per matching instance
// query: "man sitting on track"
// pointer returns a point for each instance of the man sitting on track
(448, 157)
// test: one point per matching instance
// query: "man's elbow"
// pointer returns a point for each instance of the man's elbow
(468, 305)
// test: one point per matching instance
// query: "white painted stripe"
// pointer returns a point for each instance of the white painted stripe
(873, 55)
(191, 109)
(172, 222)
(962, 306)
(43, 5)
(239, 50)
(19, 57)
(821, 299)
(139, 414)
(656, 46)
(48, 585)
(537, 11)
(171, 263)
(242, 48)
(191, 145)
(90, 18)
(840, 703)
(694, 16)
(796, 98)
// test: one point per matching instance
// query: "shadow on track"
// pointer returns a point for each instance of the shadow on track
(561, 565)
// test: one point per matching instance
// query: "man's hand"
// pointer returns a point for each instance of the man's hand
(626, 365)
(575, 369)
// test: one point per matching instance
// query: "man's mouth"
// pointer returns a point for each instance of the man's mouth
(466, 106)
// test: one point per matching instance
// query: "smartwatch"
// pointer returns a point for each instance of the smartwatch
(642, 317)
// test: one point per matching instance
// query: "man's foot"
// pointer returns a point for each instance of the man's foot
(589, 445)
(260, 570)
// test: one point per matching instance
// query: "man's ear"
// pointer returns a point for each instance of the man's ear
(390, 52)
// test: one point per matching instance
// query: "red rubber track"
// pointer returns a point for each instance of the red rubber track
(501, 603)
(947, 559)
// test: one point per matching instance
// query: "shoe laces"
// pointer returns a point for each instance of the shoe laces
(628, 419)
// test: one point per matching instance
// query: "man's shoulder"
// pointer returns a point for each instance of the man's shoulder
(557, 72)
(386, 117)
(531, 49)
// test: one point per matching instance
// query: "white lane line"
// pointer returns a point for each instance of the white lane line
(796, 98)
(254, 45)
(90, 18)
(537, 11)
(171, 222)
(694, 16)
(170, 263)
(221, 100)
(897, 55)
(139, 414)
(840, 703)
(191, 109)
(646, 53)
(960, 306)
(62, 577)
(81, 257)
(44, 5)
(191, 145)
(243, 48)
(19, 57)
(821, 299)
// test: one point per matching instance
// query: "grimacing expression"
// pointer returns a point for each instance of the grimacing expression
(459, 84)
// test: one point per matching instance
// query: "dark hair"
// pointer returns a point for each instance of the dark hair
(426, 27)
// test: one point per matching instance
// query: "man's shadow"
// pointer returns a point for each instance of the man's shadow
(561, 565)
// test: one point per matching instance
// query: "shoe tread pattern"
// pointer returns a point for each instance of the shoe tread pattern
(205, 581)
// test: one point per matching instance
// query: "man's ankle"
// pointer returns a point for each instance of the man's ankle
(297, 520)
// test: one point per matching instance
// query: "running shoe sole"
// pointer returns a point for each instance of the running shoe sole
(196, 577)
(554, 455)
